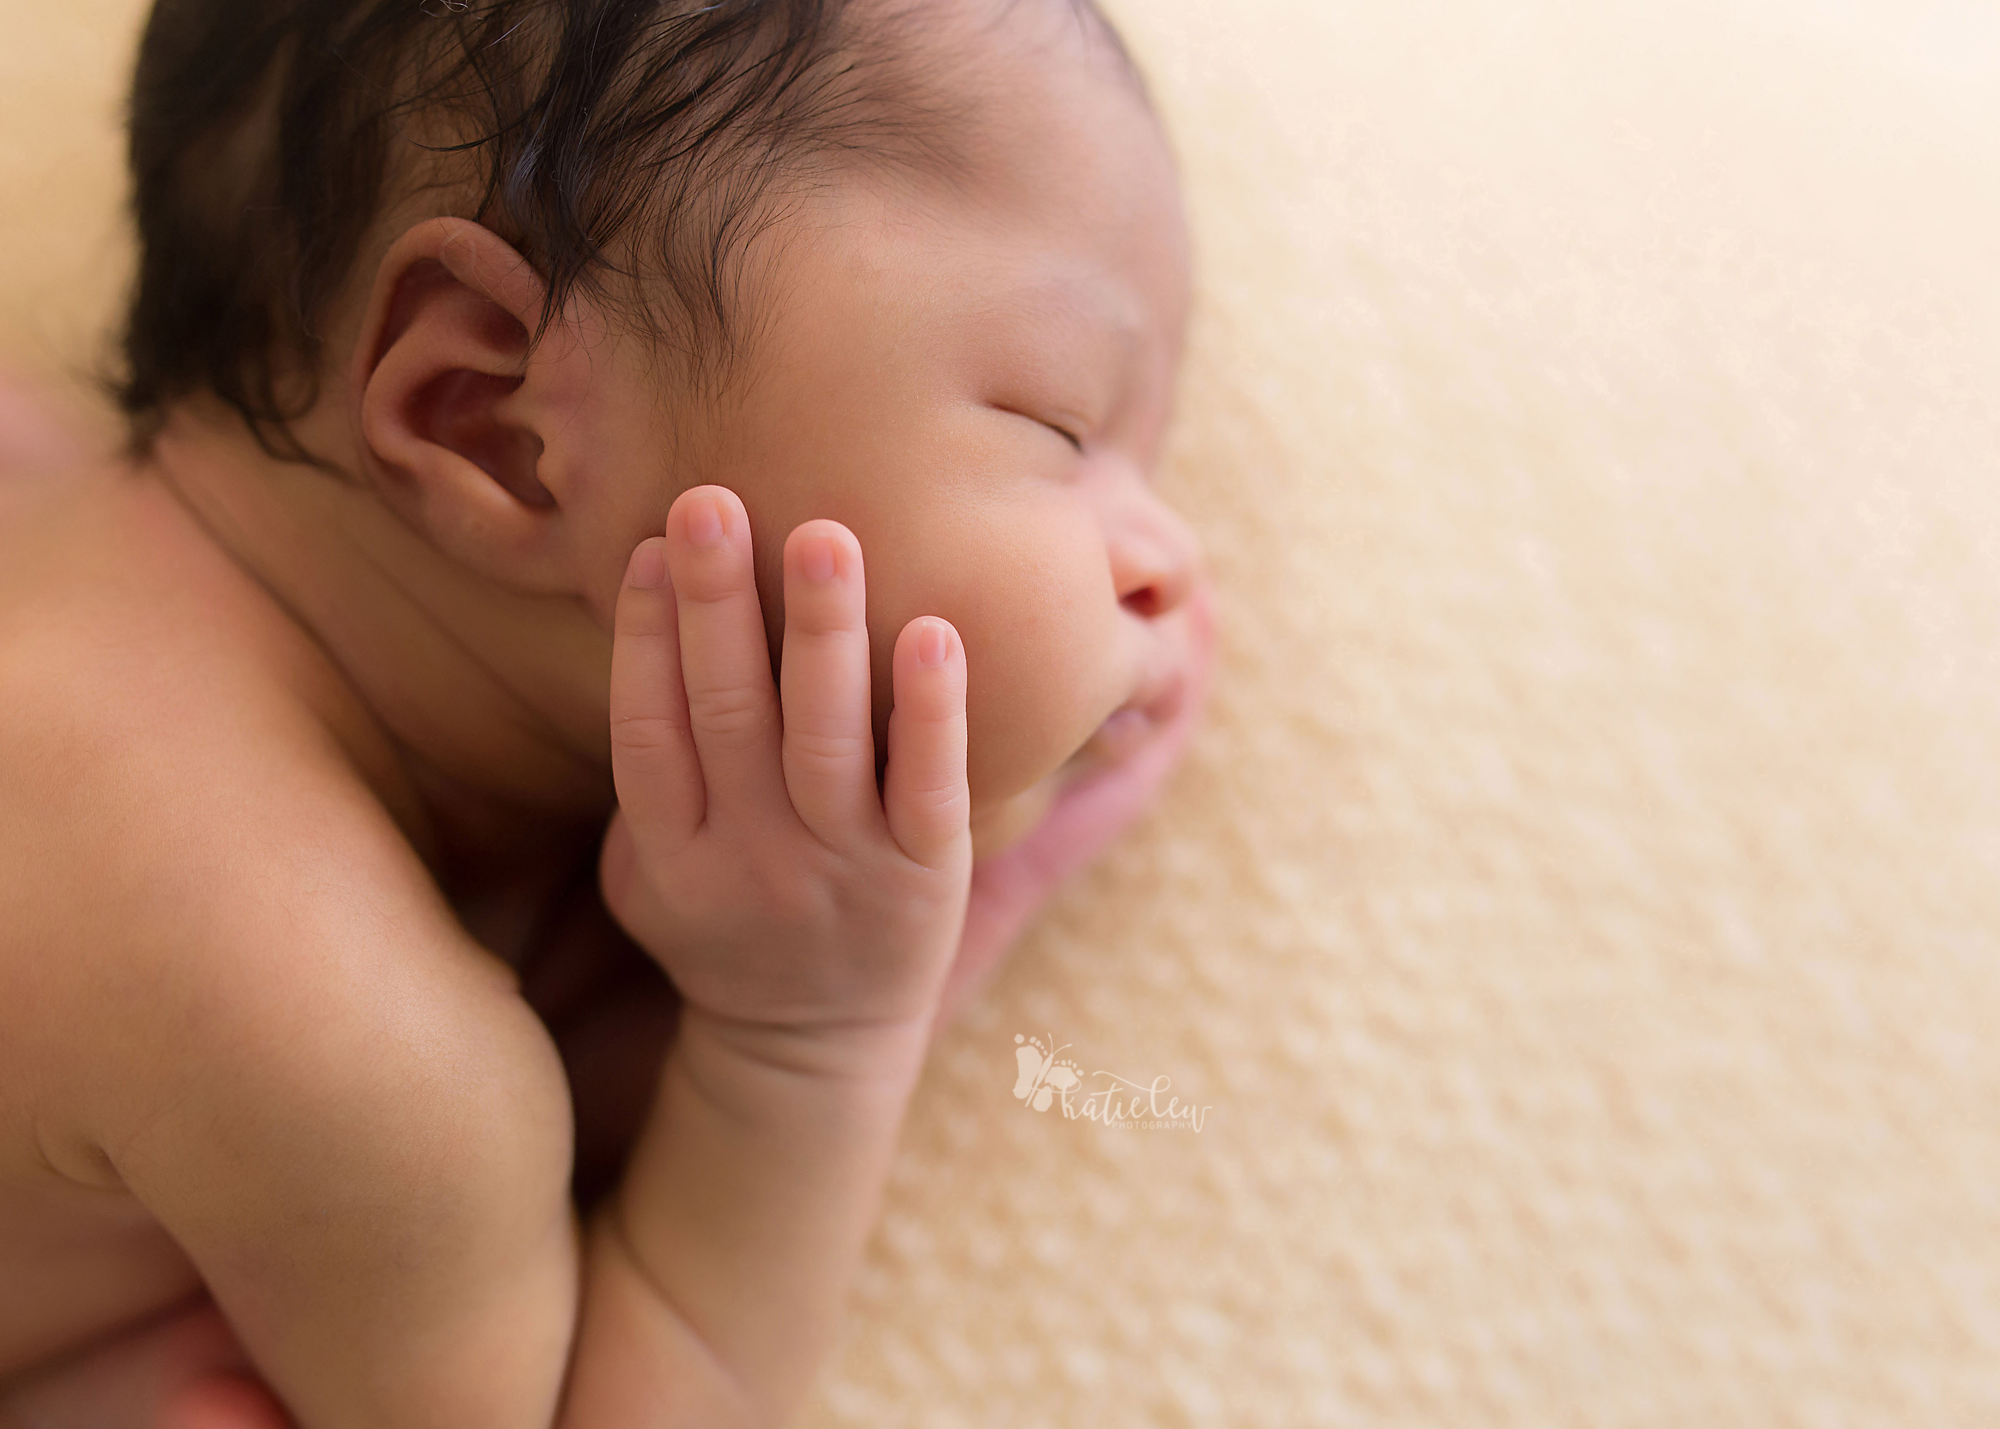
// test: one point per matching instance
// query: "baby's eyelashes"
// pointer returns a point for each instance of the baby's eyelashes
(1066, 428)
(1067, 435)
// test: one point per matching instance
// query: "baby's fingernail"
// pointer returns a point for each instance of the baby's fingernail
(704, 521)
(816, 560)
(649, 565)
(932, 646)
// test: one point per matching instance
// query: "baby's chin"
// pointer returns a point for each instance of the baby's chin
(998, 826)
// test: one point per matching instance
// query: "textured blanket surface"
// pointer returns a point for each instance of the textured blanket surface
(1580, 917)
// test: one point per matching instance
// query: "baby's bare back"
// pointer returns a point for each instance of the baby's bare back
(195, 888)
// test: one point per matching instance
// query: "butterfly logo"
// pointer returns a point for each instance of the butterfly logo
(1041, 1075)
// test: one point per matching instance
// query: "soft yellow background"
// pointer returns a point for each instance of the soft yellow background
(1583, 910)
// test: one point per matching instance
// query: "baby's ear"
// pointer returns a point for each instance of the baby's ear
(454, 413)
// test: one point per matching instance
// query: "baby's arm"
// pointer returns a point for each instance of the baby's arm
(360, 1135)
(809, 922)
(367, 1162)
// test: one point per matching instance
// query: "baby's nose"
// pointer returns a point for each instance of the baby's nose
(1156, 560)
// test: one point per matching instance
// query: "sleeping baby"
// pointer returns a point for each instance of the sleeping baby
(634, 573)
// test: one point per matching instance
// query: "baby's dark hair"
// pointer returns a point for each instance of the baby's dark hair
(267, 135)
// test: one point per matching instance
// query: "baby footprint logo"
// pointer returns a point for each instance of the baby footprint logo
(1041, 1075)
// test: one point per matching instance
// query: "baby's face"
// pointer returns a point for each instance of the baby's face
(976, 380)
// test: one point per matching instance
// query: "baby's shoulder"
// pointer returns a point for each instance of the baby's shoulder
(143, 711)
(180, 837)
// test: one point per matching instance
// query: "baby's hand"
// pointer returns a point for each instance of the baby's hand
(811, 917)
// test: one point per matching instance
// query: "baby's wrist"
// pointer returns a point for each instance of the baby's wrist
(749, 1198)
(864, 1056)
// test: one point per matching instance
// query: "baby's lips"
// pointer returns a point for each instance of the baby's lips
(1120, 736)
(1137, 721)
(1161, 702)
(1163, 699)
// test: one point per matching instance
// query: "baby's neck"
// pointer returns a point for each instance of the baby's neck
(491, 700)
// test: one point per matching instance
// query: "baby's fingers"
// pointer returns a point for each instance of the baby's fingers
(829, 741)
(725, 657)
(654, 766)
(924, 792)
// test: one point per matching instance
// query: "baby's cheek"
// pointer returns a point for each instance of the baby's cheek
(1027, 585)
(1043, 671)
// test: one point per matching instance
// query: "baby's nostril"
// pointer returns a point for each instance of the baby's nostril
(1144, 601)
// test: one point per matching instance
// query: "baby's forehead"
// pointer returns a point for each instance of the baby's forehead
(1083, 236)
(1103, 282)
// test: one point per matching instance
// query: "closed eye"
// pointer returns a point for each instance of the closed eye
(1071, 437)
(1065, 433)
